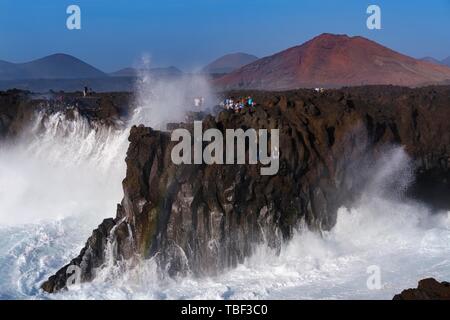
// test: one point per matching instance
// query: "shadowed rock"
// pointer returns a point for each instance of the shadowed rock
(19, 108)
(202, 219)
(428, 289)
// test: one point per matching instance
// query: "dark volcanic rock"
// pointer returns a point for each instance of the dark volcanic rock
(205, 218)
(428, 289)
(91, 257)
(18, 108)
(13, 112)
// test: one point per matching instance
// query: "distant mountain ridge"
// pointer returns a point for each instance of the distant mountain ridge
(445, 62)
(430, 59)
(229, 63)
(327, 60)
(331, 60)
(55, 66)
(67, 73)
(135, 72)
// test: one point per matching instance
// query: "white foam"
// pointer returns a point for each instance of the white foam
(61, 171)
(63, 177)
(56, 185)
(402, 238)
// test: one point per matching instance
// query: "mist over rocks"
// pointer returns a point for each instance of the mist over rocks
(202, 219)
(11, 111)
(18, 108)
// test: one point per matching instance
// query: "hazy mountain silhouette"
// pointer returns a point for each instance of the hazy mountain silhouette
(444, 62)
(229, 63)
(431, 59)
(55, 66)
(135, 72)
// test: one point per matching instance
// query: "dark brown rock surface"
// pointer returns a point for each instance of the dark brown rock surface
(18, 108)
(205, 218)
(428, 289)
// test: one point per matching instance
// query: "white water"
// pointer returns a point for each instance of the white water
(58, 185)
(401, 238)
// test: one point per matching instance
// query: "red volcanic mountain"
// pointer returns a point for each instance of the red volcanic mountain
(334, 61)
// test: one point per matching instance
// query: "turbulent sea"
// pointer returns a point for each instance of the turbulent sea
(64, 177)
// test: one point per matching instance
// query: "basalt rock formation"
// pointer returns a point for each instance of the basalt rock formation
(18, 108)
(428, 289)
(202, 219)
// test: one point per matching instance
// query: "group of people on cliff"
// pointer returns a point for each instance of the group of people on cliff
(237, 105)
(199, 102)
(87, 91)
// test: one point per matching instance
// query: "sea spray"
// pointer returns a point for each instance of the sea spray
(63, 176)
(67, 197)
(161, 101)
(400, 237)
(59, 168)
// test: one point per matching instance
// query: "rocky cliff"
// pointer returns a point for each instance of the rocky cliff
(204, 218)
(427, 289)
(18, 108)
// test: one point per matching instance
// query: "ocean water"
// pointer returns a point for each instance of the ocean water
(58, 183)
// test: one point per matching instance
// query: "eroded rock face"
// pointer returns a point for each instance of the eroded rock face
(428, 289)
(19, 108)
(13, 112)
(205, 218)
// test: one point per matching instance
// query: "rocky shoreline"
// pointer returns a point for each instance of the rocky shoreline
(427, 289)
(202, 219)
(18, 108)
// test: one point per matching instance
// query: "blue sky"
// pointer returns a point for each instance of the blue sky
(190, 33)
